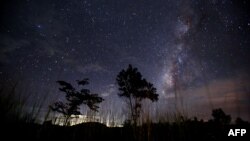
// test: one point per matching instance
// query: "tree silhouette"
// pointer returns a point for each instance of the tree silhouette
(135, 88)
(220, 117)
(75, 99)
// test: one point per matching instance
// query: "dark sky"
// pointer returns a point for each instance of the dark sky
(195, 50)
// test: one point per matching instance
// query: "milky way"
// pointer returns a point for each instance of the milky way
(195, 52)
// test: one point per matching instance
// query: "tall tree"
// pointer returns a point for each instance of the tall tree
(75, 98)
(135, 88)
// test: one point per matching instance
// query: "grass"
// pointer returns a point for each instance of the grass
(186, 130)
(170, 127)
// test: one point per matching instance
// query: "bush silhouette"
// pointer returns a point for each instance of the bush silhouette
(239, 121)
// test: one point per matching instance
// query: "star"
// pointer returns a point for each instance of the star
(197, 49)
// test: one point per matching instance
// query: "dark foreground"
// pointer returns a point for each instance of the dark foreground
(183, 131)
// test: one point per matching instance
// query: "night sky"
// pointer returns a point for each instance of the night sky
(195, 52)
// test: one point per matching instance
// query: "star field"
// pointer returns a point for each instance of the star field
(182, 47)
